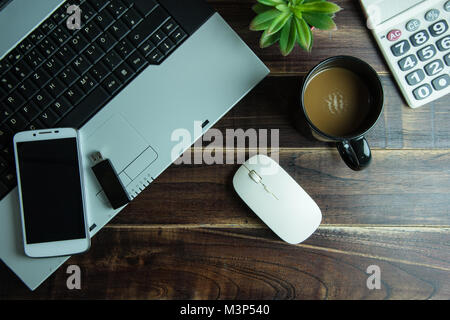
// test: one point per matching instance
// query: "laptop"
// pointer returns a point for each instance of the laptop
(133, 73)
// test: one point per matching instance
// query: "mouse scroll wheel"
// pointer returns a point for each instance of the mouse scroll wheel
(255, 177)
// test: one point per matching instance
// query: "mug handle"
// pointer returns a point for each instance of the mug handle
(355, 153)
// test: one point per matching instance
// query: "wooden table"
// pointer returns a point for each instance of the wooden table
(189, 236)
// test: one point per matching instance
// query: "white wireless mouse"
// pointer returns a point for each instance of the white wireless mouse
(277, 199)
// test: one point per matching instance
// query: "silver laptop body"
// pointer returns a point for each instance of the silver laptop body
(200, 82)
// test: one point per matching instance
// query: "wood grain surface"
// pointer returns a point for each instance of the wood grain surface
(189, 236)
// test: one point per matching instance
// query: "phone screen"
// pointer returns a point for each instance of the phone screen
(51, 190)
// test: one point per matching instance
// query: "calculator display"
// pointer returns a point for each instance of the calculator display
(383, 10)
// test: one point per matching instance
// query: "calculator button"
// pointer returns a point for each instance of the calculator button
(434, 67)
(408, 63)
(443, 44)
(415, 77)
(400, 48)
(441, 82)
(394, 35)
(413, 25)
(423, 92)
(419, 38)
(432, 15)
(427, 53)
(439, 28)
(447, 59)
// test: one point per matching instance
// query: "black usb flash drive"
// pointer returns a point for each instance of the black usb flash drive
(109, 181)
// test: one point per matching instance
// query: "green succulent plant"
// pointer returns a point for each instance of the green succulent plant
(290, 21)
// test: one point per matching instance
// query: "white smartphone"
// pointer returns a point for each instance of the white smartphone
(51, 193)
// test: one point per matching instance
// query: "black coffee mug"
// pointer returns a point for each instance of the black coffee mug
(353, 148)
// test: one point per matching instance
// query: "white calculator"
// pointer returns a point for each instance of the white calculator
(414, 36)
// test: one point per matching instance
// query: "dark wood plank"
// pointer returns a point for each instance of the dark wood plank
(351, 38)
(251, 264)
(274, 104)
(401, 187)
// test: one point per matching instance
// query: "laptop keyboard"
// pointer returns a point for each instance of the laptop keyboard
(61, 78)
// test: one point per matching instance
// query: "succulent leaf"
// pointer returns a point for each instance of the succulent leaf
(288, 37)
(319, 20)
(272, 3)
(279, 22)
(268, 40)
(263, 20)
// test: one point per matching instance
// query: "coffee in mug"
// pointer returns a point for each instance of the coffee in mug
(337, 101)
(342, 99)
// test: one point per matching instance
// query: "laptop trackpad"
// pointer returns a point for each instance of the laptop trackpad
(117, 141)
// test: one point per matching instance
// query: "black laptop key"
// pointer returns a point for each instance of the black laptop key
(155, 57)
(143, 6)
(8, 81)
(81, 64)
(49, 118)
(53, 66)
(8, 178)
(99, 72)
(178, 35)
(104, 19)
(47, 26)
(166, 46)
(14, 101)
(149, 25)
(29, 110)
(35, 125)
(5, 112)
(158, 37)
(42, 99)
(124, 72)
(87, 108)
(98, 4)
(14, 56)
(65, 54)
(47, 47)
(16, 123)
(169, 26)
(74, 94)
(5, 135)
(116, 8)
(55, 87)
(25, 45)
(22, 70)
(91, 31)
(27, 89)
(131, 18)
(112, 84)
(79, 42)
(36, 36)
(124, 48)
(60, 35)
(86, 83)
(61, 106)
(119, 29)
(4, 66)
(3, 165)
(147, 47)
(112, 60)
(106, 41)
(93, 52)
(137, 61)
(34, 58)
(68, 76)
(40, 77)
(87, 12)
